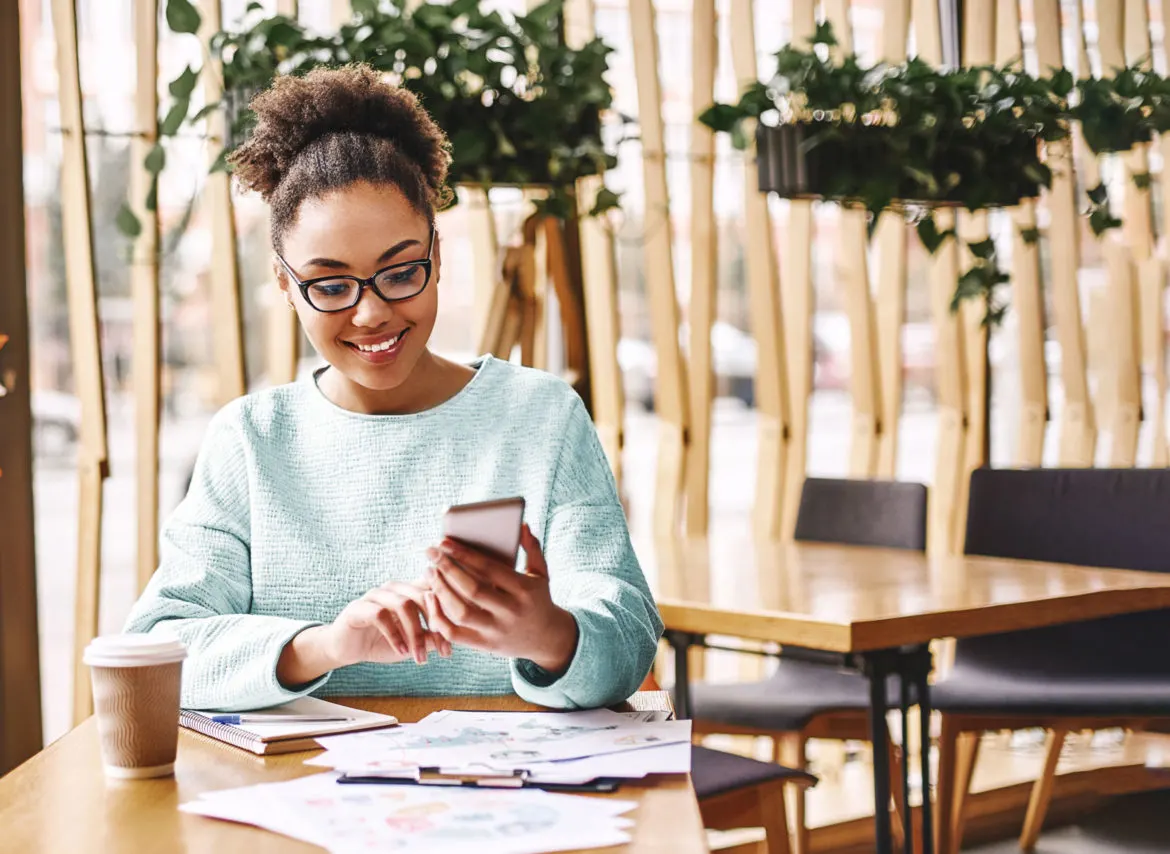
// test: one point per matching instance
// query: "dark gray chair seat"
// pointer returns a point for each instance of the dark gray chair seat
(788, 699)
(716, 773)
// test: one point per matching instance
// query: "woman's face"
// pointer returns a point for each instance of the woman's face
(358, 231)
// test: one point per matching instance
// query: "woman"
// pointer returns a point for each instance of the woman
(308, 556)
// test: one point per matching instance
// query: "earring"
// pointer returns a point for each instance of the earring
(291, 307)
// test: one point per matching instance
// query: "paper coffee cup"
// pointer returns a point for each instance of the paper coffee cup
(136, 683)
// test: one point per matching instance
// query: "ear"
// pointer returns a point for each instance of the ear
(437, 257)
(282, 281)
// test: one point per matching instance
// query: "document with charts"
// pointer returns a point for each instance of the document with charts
(361, 819)
(498, 740)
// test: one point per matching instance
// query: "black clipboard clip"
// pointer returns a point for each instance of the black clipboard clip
(495, 779)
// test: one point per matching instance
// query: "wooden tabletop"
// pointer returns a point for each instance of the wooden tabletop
(851, 599)
(59, 801)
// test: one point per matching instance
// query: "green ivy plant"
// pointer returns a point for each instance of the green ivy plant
(519, 106)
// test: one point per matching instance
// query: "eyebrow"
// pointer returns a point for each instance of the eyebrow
(333, 264)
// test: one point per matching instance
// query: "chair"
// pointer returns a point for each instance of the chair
(1091, 674)
(735, 791)
(802, 700)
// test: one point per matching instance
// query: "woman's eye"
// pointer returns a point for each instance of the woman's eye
(331, 289)
(403, 277)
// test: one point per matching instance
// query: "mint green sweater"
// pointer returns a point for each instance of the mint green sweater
(297, 507)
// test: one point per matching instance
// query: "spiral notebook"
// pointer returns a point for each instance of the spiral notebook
(267, 739)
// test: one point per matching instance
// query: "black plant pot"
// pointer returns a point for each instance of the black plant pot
(836, 167)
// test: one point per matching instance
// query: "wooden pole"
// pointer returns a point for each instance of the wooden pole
(704, 266)
(599, 284)
(977, 49)
(144, 286)
(796, 281)
(951, 368)
(1124, 359)
(485, 251)
(763, 286)
(20, 671)
(1027, 293)
(284, 330)
(853, 270)
(671, 391)
(228, 329)
(890, 308)
(85, 345)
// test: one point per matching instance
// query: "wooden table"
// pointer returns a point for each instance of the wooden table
(59, 801)
(875, 610)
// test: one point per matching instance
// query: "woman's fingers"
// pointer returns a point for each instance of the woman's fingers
(473, 589)
(488, 569)
(457, 608)
(387, 627)
(408, 617)
(536, 564)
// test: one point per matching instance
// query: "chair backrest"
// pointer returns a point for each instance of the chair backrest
(882, 513)
(1113, 518)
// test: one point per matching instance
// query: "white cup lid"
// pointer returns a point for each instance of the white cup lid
(134, 650)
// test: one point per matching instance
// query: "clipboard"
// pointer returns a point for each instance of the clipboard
(515, 779)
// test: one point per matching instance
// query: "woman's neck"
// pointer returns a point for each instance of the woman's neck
(433, 381)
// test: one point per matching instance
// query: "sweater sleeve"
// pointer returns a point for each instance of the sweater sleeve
(202, 590)
(595, 575)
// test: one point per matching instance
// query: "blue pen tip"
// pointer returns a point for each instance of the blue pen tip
(226, 719)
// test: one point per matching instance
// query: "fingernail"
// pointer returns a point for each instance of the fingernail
(432, 553)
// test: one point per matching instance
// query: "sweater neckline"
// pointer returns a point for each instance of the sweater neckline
(482, 365)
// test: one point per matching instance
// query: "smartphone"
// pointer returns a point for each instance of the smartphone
(490, 526)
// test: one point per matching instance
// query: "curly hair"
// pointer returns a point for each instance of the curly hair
(334, 127)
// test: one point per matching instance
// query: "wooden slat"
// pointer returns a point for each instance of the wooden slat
(1123, 340)
(1078, 431)
(796, 281)
(485, 252)
(599, 284)
(283, 348)
(20, 672)
(763, 286)
(671, 389)
(228, 329)
(853, 270)
(1027, 293)
(950, 365)
(890, 301)
(704, 267)
(144, 286)
(85, 345)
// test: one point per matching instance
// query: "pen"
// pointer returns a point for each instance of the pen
(276, 719)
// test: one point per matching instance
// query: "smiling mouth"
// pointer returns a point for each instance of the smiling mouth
(381, 346)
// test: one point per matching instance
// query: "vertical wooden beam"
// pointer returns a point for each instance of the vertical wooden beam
(977, 49)
(485, 252)
(228, 330)
(853, 269)
(144, 287)
(890, 302)
(283, 340)
(796, 281)
(1078, 430)
(1123, 357)
(951, 371)
(763, 286)
(1154, 344)
(671, 391)
(20, 671)
(85, 345)
(704, 266)
(1027, 293)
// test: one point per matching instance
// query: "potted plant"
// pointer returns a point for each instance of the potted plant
(519, 105)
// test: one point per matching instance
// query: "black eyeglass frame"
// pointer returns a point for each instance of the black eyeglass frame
(425, 263)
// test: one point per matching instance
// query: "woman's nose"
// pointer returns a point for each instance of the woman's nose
(371, 309)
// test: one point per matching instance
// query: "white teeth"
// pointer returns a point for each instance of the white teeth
(377, 348)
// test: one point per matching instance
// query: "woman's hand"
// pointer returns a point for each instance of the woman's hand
(482, 602)
(383, 626)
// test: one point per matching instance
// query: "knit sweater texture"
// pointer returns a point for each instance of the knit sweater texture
(297, 507)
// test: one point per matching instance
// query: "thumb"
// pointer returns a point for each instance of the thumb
(536, 563)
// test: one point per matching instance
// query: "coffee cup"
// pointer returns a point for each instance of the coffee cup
(136, 682)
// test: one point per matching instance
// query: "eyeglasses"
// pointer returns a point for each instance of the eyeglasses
(395, 283)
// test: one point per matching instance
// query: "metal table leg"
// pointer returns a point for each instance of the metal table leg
(875, 667)
(921, 671)
(680, 643)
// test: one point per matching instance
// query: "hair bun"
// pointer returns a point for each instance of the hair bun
(296, 111)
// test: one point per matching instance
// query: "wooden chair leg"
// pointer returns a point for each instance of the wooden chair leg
(792, 754)
(898, 818)
(774, 816)
(967, 752)
(944, 801)
(1042, 791)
